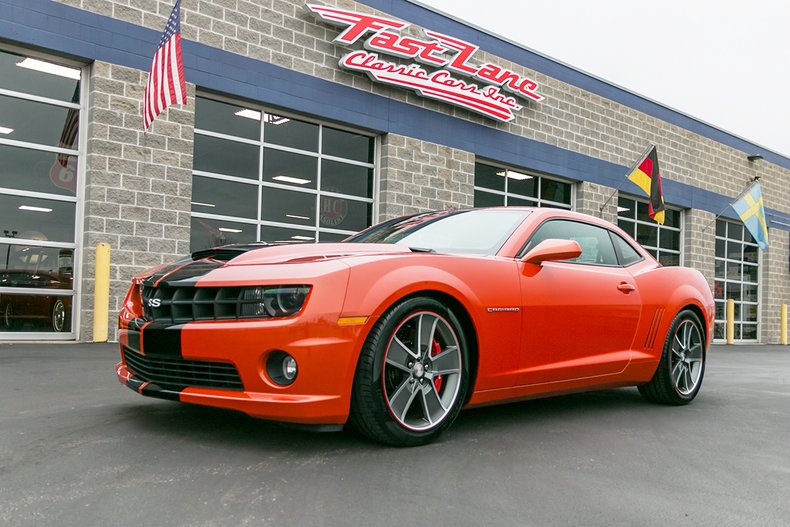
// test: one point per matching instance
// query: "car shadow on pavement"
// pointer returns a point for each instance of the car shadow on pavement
(227, 427)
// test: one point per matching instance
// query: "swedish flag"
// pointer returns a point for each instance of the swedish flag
(752, 213)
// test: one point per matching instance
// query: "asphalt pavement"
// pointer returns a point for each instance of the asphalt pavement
(78, 448)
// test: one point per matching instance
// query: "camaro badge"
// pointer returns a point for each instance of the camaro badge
(504, 309)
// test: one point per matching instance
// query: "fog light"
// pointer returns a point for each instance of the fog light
(289, 368)
(281, 368)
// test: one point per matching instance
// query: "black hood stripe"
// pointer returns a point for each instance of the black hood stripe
(191, 272)
(183, 271)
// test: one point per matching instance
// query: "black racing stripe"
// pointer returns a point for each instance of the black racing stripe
(171, 393)
(190, 272)
(134, 383)
(133, 334)
(164, 271)
(161, 340)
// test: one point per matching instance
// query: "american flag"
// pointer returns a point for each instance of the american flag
(166, 84)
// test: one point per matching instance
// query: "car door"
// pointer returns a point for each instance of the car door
(579, 316)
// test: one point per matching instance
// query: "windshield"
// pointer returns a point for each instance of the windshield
(472, 231)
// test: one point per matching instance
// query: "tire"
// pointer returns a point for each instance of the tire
(678, 377)
(58, 316)
(412, 375)
(7, 317)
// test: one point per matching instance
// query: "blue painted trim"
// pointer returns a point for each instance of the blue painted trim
(91, 36)
(424, 17)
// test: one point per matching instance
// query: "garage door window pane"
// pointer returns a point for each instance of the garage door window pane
(222, 156)
(18, 75)
(36, 267)
(228, 119)
(288, 206)
(37, 171)
(290, 132)
(522, 184)
(488, 199)
(345, 214)
(39, 313)
(332, 237)
(521, 202)
(37, 219)
(39, 123)
(489, 177)
(555, 191)
(349, 145)
(209, 232)
(288, 168)
(344, 178)
(520, 188)
(285, 235)
(225, 198)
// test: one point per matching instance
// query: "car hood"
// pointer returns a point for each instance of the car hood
(308, 253)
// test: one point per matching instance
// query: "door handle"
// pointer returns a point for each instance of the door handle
(625, 287)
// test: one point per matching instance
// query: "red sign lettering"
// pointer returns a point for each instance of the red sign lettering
(450, 55)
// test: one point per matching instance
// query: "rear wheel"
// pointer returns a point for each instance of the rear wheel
(58, 316)
(679, 375)
(412, 375)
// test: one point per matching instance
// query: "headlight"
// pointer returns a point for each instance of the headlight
(273, 301)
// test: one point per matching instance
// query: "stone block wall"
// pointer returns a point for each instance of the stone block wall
(418, 176)
(137, 185)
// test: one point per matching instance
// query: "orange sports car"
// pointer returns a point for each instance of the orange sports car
(399, 327)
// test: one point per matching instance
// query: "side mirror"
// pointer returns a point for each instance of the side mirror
(552, 249)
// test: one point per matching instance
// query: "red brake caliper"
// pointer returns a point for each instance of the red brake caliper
(435, 350)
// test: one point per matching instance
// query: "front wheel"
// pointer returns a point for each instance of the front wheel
(679, 375)
(412, 375)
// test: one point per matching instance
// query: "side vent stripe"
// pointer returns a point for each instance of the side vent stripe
(653, 331)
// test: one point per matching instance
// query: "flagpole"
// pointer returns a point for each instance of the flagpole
(630, 171)
(736, 198)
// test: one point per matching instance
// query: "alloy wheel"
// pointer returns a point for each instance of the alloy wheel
(687, 357)
(422, 371)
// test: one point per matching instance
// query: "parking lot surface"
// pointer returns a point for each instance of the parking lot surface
(78, 448)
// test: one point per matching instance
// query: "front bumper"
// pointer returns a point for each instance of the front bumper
(326, 355)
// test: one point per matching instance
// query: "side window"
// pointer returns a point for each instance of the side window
(628, 254)
(595, 242)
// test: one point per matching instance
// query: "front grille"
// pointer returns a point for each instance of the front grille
(177, 305)
(179, 373)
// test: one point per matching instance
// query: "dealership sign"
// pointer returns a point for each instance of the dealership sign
(451, 76)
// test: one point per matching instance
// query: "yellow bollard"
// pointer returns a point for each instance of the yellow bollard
(101, 293)
(730, 321)
(783, 325)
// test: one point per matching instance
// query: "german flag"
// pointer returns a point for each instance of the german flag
(647, 176)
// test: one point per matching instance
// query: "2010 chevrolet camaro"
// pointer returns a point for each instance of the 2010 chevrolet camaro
(400, 326)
